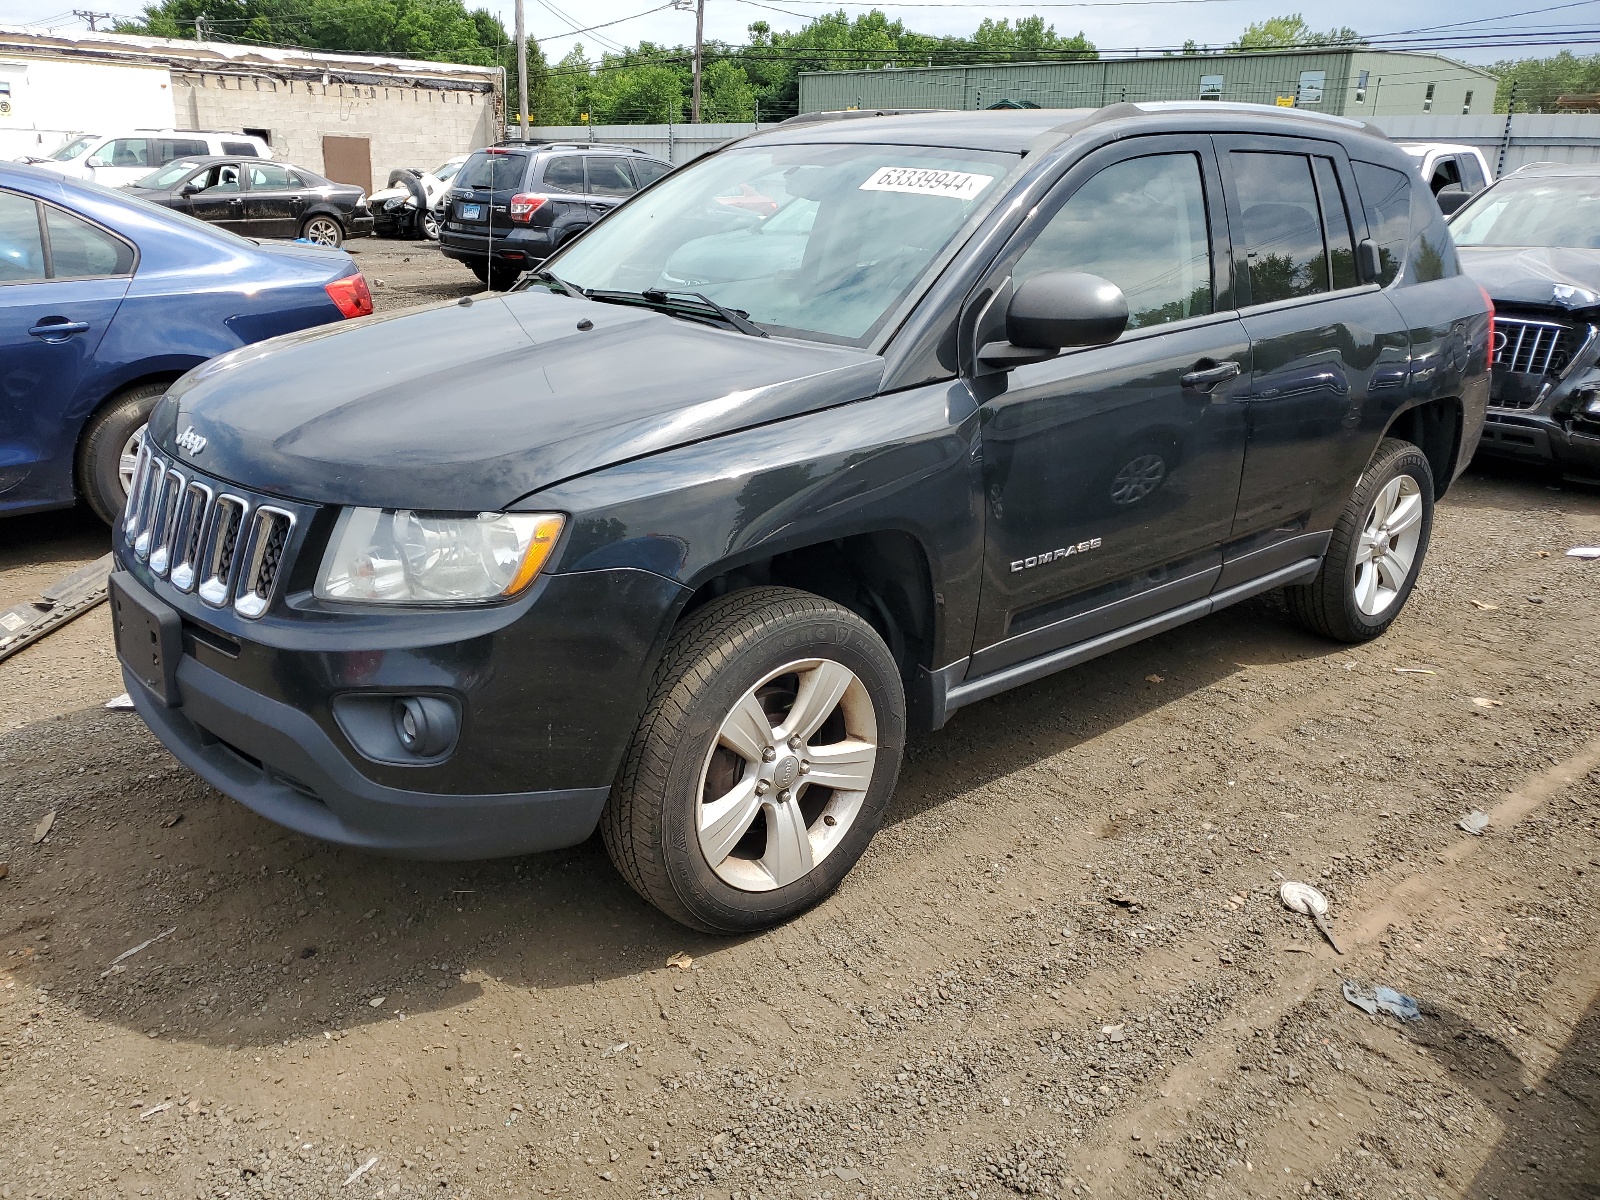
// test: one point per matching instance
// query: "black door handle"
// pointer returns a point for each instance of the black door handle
(1203, 378)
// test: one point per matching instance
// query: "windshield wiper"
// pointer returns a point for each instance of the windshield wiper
(737, 318)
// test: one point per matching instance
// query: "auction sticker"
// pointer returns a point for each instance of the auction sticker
(927, 181)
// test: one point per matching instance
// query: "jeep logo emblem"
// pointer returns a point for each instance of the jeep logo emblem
(191, 441)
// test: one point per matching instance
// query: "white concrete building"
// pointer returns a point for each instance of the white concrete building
(351, 117)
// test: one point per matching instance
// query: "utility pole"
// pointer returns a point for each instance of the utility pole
(699, 47)
(90, 18)
(200, 28)
(522, 72)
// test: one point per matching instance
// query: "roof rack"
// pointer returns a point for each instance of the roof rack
(541, 144)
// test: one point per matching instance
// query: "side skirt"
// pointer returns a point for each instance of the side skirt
(949, 694)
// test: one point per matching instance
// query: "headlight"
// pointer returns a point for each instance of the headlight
(392, 204)
(403, 557)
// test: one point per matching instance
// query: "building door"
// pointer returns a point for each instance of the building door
(348, 160)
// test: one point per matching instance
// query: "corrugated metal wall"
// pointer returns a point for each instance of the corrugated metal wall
(1552, 137)
(1252, 79)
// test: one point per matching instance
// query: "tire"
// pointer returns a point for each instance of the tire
(501, 278)
(429, 225)
(756, 655)
(110, 440)
(1378, 546)
(481, 271)
(323, 230)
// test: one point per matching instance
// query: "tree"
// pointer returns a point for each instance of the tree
(728, 95)
(564, 96)
(1291, 32)
(1540, 82)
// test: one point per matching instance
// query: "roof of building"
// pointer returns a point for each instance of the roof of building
(237, 58)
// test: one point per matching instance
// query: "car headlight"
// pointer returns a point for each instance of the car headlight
(392, 204)
(398, 556)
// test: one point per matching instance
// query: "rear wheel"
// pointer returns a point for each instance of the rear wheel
(763, 763)
(430, 226)
(110, 446)
(323, 230)
(1377, 549)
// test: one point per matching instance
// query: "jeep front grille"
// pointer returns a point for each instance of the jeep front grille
(269, 534)
(1526, 346)
(203, 539)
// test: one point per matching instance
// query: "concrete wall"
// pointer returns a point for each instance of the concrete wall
(407, 126)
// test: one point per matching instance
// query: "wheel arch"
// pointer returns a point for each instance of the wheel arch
(1434, 427)
(150, 375)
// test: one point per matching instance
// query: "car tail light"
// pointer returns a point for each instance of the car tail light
(524, 205)
(351, 295)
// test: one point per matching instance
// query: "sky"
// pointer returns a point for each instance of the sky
(1120, 24)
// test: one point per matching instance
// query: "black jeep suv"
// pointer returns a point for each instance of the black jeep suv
(511, 205)
(843, 427)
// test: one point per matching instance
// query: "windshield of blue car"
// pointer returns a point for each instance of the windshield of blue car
(819, 241)
(73, 148)
(1533, 211)
(167, 175)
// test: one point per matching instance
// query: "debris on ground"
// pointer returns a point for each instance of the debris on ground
(1382, 999)
(1475, 822)
(5, 869)
(1305, 899)
(23, 624)
(1415, 671)
(361, 1170)
(43, 828)
(1584, 552)
(122, 703)
(1484, 606)
(154, 1109)
(680, 960)
(376, 1001)
(169, 821)
(615, 1050)
(1486, 702)
(144, 945)
(1155, 679)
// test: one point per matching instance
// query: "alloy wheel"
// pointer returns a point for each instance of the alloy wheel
(324, 231)
(1387, 548)
(787, 774)
(128, 459)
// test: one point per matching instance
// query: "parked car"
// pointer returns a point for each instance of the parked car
(104, 301)
(1454, 174)
(116, 159)
(688, 563)
(1533, 242)
(396, 209)
(512, 205)
(260, 199)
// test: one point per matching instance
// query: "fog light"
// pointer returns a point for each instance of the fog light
(425, 725)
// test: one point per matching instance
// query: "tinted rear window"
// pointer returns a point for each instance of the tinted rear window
(496, 171)
(1386, 199)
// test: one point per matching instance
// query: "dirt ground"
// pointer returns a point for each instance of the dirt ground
(1062, 968)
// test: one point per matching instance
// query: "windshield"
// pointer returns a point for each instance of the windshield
(820, 241)
(1540, 211)
(73, 148)
(447, 172)
(167, 175)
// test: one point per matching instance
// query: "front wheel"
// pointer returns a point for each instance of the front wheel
(763, 763)
(430, 226)
(323, 230)
(110, 448)
(1376, 552)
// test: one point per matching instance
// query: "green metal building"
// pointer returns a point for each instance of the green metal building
(1353, 83)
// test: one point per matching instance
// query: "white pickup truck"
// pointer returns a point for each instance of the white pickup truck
(1454, 173)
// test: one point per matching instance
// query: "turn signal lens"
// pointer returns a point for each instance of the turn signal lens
(524, 205)
(351, 295)
(540, 544)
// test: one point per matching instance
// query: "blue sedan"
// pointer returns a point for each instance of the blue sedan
(105, 300)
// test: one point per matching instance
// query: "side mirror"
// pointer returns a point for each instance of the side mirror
(1053, 311)
(1451, 198)
(1369, 262)
(96, 161)
(191, 188)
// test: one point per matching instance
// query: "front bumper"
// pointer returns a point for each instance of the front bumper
(548, 688)
(359, 226)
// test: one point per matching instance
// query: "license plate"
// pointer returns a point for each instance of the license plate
(472, 212)
(149, 638)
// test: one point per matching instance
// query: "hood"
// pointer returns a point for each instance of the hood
(1542, 276)
(471, 407)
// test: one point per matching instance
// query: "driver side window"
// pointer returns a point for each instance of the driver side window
(222, 178)
(1140, 223)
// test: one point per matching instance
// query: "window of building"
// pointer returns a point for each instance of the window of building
(1466, 105)
(1282, 226)
(1427, 100)
(1311, 85)
(1211, 87)
(1361, 86)
(1161, 261)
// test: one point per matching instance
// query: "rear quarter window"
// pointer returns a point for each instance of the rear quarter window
(1386, 200)
(564, 174)
(1431, 254)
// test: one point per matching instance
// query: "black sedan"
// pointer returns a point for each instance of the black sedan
(258, 198)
